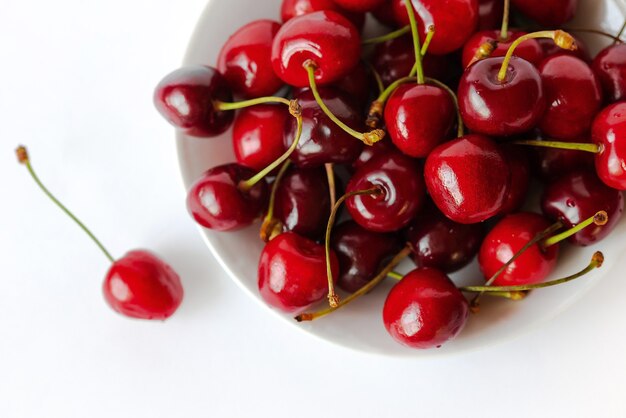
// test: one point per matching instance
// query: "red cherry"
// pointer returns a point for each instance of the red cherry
(552, 163)
(609, 132)
(294, 8)
(292, 272)
(245, 60)
(518, 162)
(384, 14)
(576, 197)
(360, 6)
(258, 135)
(468, 178)
(357, 85)
(216, 201)
(326, 37)
(454, 21)
(403, 189)
(550, 48)
(141, 285)
(530, 49)
(419, 117)
(610, 67)
(573, 95)
(508, 237)
(550, 13)
(490, 14)
(370, 152)
(425, 309)
(185, 98)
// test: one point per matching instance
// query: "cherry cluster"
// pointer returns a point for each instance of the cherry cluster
(429, 135)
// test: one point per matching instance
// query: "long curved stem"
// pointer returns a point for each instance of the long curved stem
(577, 146)
(599, 219)
(224, 106)
(416, 41)
(388, 36)
(504, 29)
(615, 39)
(271, 226)
(455, 100)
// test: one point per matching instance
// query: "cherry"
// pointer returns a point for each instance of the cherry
(573, 95)
(468, 178)
(425, 309)
(294, 8)
(326, 38)
(356, 84)
(549, 13)
(140, 285)
(384, 14)
(292, 272)
(303, 202)
(402, 186)
(443, 244)
(608, 131)
(360, 6)
(508, 237)
(186, 97)
(610, 67)
(217, 201)
(530, 50)
(361, 254)
(578, 195)
(489, 14)
(551, 163)
(549, 49)
(322, 140)
(456, 20)
(519, 165)
(258, 135)
(419, 117)
(375, 150)
(245, 60)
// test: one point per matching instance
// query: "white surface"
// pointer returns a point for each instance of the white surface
(97, 142)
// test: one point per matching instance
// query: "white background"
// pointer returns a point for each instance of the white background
(76, 79)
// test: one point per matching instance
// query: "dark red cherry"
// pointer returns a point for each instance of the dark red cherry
(609, 131)
(518, 162)
(326, 37)
(258, 135)
(549, 13)
(490, 14)
(454, 21)
(573, 95)
(294, 8)
(216, 201)
(185, 98)
(370, 152)
(509, 236)
(401, 181)
(384, 14)
(610, 67)
(361, 254)
(141, 285)
(303, 202)
(529, 49)
(322, 140)
(577, 196)
(550, 48)
(360, 6)
(443, 244)
(357, 85)
(245, 60)
(505, 108)
(551, 163)
(292, 272)
(425, 309)
(468, 178)
(419, 117)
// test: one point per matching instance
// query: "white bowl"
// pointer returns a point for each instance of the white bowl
(359, 325)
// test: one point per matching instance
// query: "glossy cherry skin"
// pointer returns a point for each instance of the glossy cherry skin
(576, 197)
(573, 95)
(490, 14)
(360, 6)
(361, 253)
(517, 192)
(468, 178)
(609, 131)
(401, 181)
(293, 8)
(425, 310)
(325, 37)
(245, 60)
(454, 21)
(443, 244)
(303, 202)
(610, 67)
(292, 272)
(357, 85)
(509, 236)
(370, 152)
(322, 141)
(549, 13)
(550, 48)
(258, 135)
(505, 108)
(141, 285)
(185, 99)
(215, 201)
(529, 49)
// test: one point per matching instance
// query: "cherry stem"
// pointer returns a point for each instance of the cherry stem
(375, 113)
(599, 219)
(483, 51)
(619, 34)
(271, 226)
(379, 81)
(615, 39)
(460, 126)
(296, 111)
(596, 262)
(23, 158)
(395, 275)
(504, 29)
(368, 138)
(362, 291)
(388, 37)
(330, 175)
(224, 106)
(333, 298)
(561, 39)
(416, 41)
(577, 146)
(430, 33)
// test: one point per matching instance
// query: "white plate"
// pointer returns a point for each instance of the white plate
(359, 326)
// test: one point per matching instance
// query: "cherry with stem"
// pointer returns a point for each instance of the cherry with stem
(271, 227)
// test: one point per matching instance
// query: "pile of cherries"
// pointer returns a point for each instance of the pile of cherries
(429, 135)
